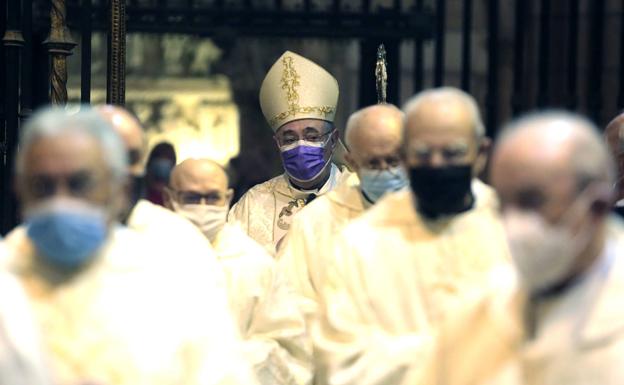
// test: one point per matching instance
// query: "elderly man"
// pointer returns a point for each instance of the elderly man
(113, 311)
(271, 325)
(156, 222)
(614, 134)
(417, 259)
(131, 132)
(373, 136)
(298, 99)
(554, 176)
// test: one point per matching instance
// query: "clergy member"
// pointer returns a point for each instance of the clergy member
(298, 99)
(373, 136)
(554, 175)
(112, 311)
(418, 260)
(155, 222)
(271, 325)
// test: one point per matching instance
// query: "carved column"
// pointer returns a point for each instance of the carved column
(59, 44)
(13, 42)
(116, 72)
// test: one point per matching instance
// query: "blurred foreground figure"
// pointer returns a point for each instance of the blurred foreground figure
(21, 361)
(374, 136)
(298, 99)
(111, 310)
(268, 319)
(411, 270)
(554, 176)
(614, 134)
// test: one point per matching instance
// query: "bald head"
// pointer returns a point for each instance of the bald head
(444, 108)
(130, 130)
(444, 128)
(551, 157)
(202, 177)
(374, 134)
(614, 135)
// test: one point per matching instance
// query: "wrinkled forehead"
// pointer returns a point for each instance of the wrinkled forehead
(440, 138)
(199, 178)
(303, 126)
(521, 173)
(63, 154)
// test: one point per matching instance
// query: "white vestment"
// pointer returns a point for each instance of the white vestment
(131, 317)
(579, 334)
(266, 210)
(312, 231)
(264, 307)
(397, 285)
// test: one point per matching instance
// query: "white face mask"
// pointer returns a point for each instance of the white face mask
(208, 218)
(544, 254)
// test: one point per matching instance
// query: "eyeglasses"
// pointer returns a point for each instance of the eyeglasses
(194, 198)
(313, 137)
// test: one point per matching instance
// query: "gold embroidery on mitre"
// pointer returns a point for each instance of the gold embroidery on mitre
(290, 82)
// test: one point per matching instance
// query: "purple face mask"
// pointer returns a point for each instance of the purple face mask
(304, 160)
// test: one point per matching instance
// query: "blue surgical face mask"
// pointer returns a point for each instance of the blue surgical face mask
(375, 183)
(67, 232)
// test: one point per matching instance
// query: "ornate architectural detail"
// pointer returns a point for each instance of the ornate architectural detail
(116, 77)
(381, 75)
(290, 82)
(60, 45)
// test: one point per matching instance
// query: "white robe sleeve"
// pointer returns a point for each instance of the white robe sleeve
(293, 264)
(271, 324)
(239, 213)
(278, 336)
(213, 352)
(21, 359)
(352, 347)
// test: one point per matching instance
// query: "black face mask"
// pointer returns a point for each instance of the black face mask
(442, 190)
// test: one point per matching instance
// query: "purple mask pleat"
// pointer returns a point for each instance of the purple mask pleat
(304, 162)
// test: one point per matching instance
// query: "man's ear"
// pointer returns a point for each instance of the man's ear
(483, 151)
(602, 199)
(229, 194)
(167, 198)
(351, 162)
(335, 136)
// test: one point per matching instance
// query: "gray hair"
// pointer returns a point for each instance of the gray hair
(590, 159)
(453, 94)
(55, 121)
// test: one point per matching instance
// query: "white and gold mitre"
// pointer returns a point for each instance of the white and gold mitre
(297, 88)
